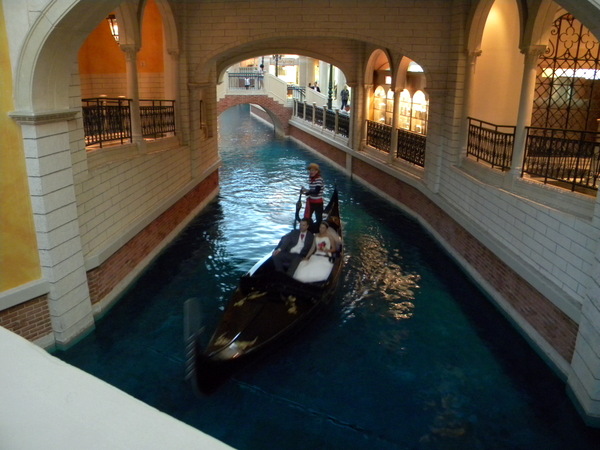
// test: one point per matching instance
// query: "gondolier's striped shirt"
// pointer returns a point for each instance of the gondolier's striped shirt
(316, 187)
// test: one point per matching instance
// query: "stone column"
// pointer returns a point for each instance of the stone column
(361, 136)
(172, 85)
(302, 71)
(395, 114)
(133, 90)
(323, 76)
(467, 99)
(46, 141)
(532, 55)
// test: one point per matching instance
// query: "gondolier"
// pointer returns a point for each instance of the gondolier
(314, 193)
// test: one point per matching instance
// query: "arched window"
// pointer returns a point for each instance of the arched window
(379, 105)
(420, 106)
(389, 107)
(405, 110)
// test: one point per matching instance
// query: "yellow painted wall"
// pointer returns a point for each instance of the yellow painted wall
(100, 54)
(150, 58)
(19, 258)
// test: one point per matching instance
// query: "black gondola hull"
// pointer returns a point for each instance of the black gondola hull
(266, 310)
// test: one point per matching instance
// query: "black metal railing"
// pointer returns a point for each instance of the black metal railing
(336, 121)
(246, 80)
(379, 136)
(329, 119)
(411, 147)
(158, 118)
(343, 126)
(491, 143)
(308, 112)
(299, 109)
(109, 119)
(569, 157)
(106, 119)
(319, 116)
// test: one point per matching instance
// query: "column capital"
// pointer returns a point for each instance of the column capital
(129, 49)
(533, 51)
(472, 55)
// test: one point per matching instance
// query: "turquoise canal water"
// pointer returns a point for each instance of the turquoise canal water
(411, 356)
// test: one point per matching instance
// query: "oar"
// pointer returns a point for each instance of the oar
(298, 208)
(192, 328)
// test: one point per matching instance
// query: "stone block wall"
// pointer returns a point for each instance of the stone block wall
(103, 279)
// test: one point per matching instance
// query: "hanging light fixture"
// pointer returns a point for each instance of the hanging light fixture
(114, 26)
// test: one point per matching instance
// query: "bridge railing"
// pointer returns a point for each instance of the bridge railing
(330, 120)
(245, 81)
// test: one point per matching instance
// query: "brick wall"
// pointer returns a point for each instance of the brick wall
(103, 279)
(335, 155)
(30, 320)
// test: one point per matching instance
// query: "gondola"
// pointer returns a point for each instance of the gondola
(267, 308)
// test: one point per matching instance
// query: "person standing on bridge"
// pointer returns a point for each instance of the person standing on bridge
(261, 76)
(345, 95)
(314, 193)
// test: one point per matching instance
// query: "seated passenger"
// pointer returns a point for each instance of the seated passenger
(292, 248)
(318, 264)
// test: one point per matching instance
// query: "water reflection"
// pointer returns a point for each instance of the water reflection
(380, 277)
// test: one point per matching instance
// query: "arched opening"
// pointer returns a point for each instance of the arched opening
(497, 79)
(398, 108)
(130, 79)
(567, 93)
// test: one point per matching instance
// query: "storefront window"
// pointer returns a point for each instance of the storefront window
(405, 110)
(420, 106)
(389, 108)
(379, 105)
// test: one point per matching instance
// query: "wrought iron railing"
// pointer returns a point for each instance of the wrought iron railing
(343, 125)
(109, 119)
(319, 116)
(567, 156)
(491, 143)
(379, 136)
(246, 80)
(158, 118)
(338, 122)
(411, 147)
(308, 112)
(106, 119)
(329, 120)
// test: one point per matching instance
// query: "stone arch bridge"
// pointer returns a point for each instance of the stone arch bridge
(279, 114)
